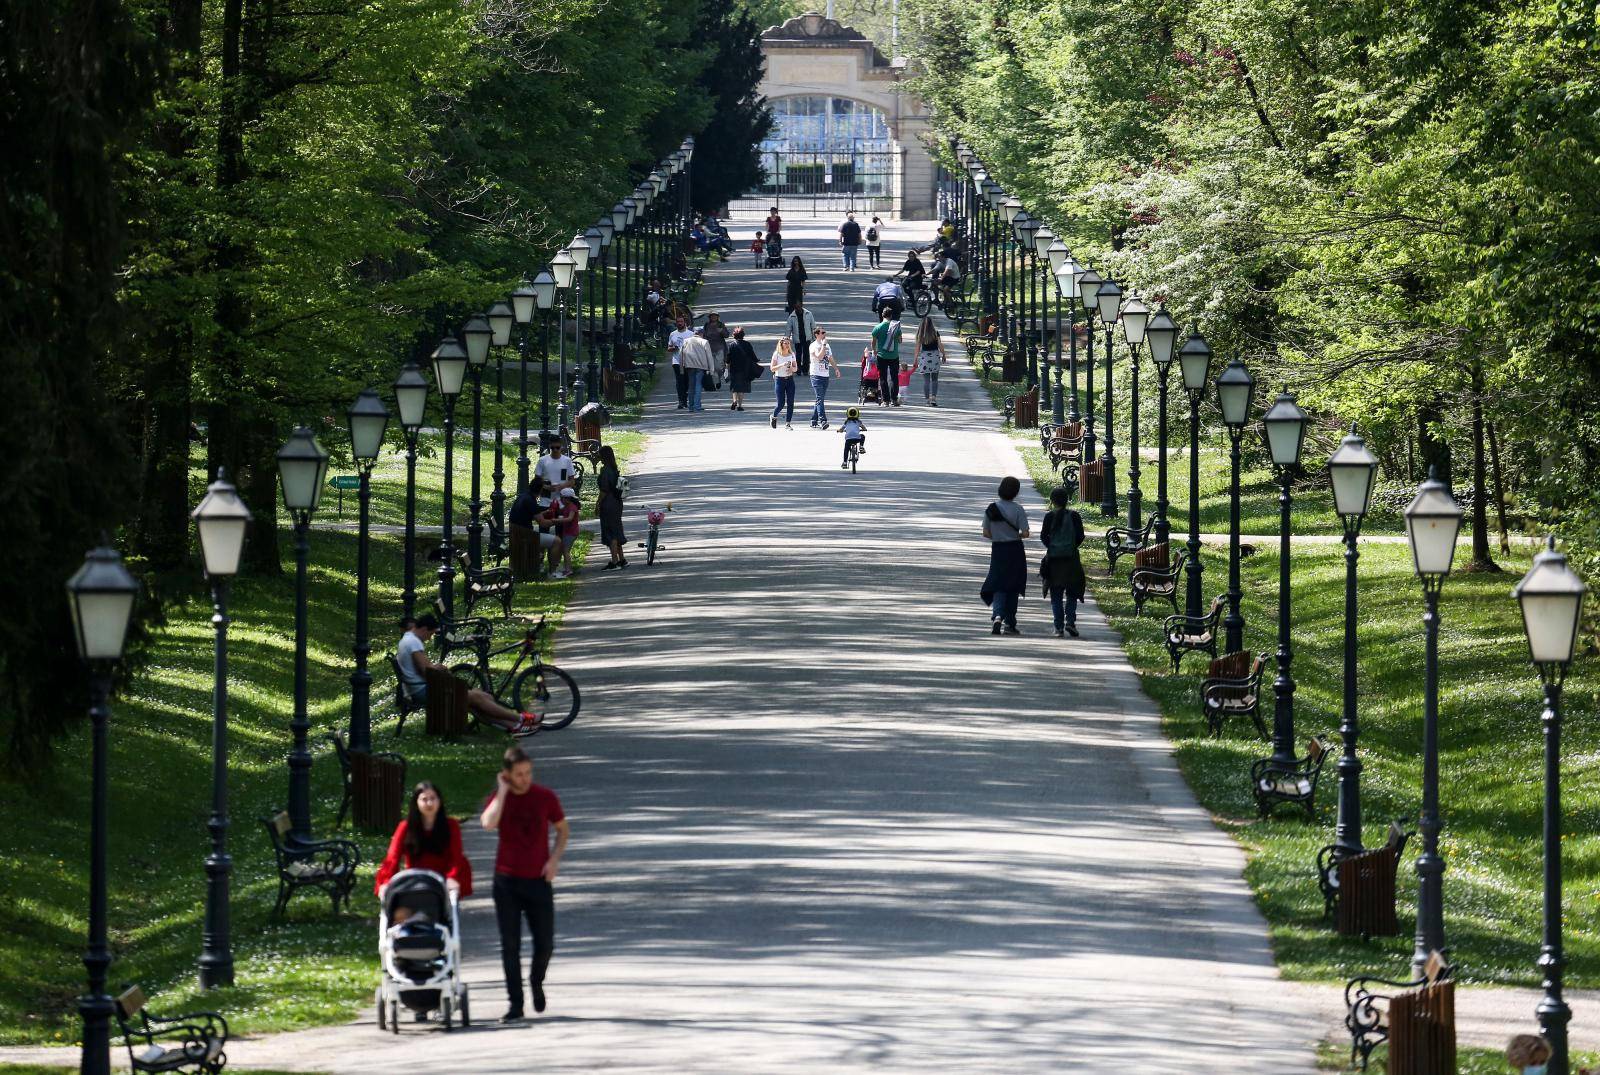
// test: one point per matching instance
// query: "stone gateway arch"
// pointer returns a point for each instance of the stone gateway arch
(848, 134)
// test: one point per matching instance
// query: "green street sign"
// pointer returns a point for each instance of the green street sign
(345, 481)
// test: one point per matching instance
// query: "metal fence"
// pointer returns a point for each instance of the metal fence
(827, 183)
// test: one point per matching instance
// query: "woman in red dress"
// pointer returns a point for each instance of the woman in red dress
(427, 839)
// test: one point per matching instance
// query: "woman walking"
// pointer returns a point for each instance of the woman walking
(802, 329)
(609, 508)
(716, 334)
(1005, 524)
(783, 366)
(874, 243)
(930, 356)
(1062, 569)
(428, 839)
(821, 364)
(797, 284)
(743, 368)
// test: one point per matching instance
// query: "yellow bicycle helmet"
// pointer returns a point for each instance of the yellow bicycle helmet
(853, 412)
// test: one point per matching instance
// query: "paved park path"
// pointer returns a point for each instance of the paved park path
(821, 819)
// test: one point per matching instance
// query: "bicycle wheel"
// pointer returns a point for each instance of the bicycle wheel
(855, 456)
(476, 678)
(922, 303)
(650, 543)
(548, 691)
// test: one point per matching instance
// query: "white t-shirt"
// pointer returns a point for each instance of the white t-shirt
(675, 342)
(553, 471)
(409, 645)
(821, 350)
(784, 365)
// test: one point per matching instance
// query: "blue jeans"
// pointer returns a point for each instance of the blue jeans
(697, 387)
(1064, 609)
(1004, 607)
(785, 390)
(819, 388)
(849, 253)
(930, 385)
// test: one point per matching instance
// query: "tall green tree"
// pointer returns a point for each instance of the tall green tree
(727, 160)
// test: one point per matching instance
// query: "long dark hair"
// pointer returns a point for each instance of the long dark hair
(607, 456)
(420, 840)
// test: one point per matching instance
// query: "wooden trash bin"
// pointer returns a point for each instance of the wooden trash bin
(524, 553)
(1092, 479)
(1011, 365)
(1026, 412)
(615, 387)
(587, 427)
(378, 790)
(447, 703)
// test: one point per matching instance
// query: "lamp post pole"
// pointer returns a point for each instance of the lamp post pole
(221, 519)
(1109, 300)
(1162, 332)
(1135, 324)
(501, 317)
(449, 370)
(302, 465)
(1194, 361)
(369, 418)
(1285, 425)
(1234, 389)
(522, 306)
(101, 595)
(1432, 521)
(475, 503)
(1088, 286)
(561, 362)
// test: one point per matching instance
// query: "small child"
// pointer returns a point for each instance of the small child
(758, 247)
(853, 430)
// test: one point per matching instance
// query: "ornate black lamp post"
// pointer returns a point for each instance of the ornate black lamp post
(1108, 302)
(993, 195)
(302, 466)
(449, 371)
(369, 419)
(1068, 273)
(101, 595)
(1010, 207)
(621, 217)
(477, 334)
(501, 317)
(1235, 387)
(1433, 519)
(1194, 361)
(522, 305)
(595, 240)
(1352, 469)
(1285, 426)
(1088, 288)
(1025, 227)
(609, 310)
(221, 519)
(411, 397)
(1057, 255)
(1551, 596)
(544, 292)
(1041, 239)
(1135, 322)
(1162, 332)
(578, 250)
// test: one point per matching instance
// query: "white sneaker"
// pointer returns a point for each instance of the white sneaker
(558, 573)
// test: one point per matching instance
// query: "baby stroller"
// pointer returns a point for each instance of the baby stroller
(774, 251)
(421, 954)
(868, 391)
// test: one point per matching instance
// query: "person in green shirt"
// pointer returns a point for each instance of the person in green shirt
(886, 345)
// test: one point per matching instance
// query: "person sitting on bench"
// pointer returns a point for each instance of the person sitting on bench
(412, 656)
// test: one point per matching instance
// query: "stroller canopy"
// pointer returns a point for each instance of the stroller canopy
(422, 892)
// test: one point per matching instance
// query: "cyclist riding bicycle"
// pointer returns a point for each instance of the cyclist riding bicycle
(913, 272)
(854, 433)
(946, 277)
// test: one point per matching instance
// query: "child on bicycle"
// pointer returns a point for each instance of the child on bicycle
(854, 433)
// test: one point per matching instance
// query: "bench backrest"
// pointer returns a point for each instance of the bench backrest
(1233, 665)
(1315, 749)
(340, 751)
(1152, 555)
(1069, 433)
(130, 1002)
(1422, 1030)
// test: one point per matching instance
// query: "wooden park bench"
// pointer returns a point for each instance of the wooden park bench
(1191, 634)
(329, 865)
(1232, 688)
(473, 634)
(1092, 479)
(1272, 782)
(191, 1042)
(405, 703)
(480, 584)
(1155, 576)
(374, 784)
(1121, 541)
(447, 713)
(1358, 891)
(1063, 444)
(1418, 1021)
(1022, 409)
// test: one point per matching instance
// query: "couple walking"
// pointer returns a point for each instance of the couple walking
(785, 365)
(1005, 524)
(930, 352)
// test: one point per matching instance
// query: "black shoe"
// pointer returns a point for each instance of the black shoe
(1011, 629)
(683, 406)
(1060, 633)
(538, 997)
(774, 421)
(514, 1015)
(1073, 631)
(994, 627)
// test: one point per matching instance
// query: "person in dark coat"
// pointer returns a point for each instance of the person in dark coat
(1062, 567)
(1005, 524)
(743, 367)
(797, 284)
(609, 508)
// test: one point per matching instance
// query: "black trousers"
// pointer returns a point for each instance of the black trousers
(889, 379)
(516, 898)
(682, 380)
(873, 253)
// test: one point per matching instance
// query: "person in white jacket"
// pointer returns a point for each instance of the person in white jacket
(698, 360)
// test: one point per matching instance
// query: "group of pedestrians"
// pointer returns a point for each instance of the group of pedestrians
(1061, 575)
(852, 237)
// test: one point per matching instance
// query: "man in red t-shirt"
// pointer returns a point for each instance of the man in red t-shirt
(523, 813)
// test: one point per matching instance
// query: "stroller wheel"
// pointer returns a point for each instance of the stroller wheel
(394, 1017)
(383, 1022)
(466, 1012)
(444, 1008)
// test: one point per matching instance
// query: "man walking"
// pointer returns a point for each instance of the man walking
(675, 350)
(525, 867)
(697, 360)
(886, 345)
(849, 241)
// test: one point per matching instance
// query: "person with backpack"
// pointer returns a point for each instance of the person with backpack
(886, 347)
(1005, 524)
(1062, 566)
(874, 243)
(849, 241)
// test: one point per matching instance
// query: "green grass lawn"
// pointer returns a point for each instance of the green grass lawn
(311, 967)
(1332, 1057)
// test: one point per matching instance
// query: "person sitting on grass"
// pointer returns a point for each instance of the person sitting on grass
(412, 656)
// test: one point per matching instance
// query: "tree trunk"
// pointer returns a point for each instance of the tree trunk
(1434, 450)
(1482, 560)
(1499, 487)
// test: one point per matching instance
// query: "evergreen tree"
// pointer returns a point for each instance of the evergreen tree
(727, 160)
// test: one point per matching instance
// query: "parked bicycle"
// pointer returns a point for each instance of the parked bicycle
(652, 542)
(541, 689)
